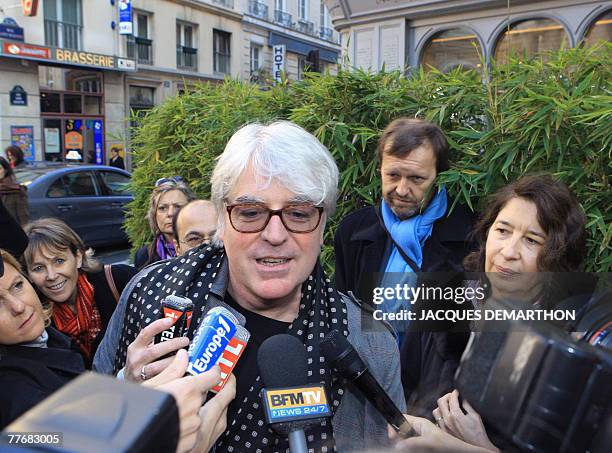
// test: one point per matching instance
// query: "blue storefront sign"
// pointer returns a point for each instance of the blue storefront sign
(10, 30)
(98, 142)
(125, 17)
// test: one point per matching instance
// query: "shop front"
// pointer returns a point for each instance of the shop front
(79, 95)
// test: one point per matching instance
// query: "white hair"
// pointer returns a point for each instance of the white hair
(281, 151)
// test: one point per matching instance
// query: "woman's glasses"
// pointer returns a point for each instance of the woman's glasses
(173, 179)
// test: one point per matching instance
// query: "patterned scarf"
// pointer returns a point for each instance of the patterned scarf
(84, 325)
(321, 310)
(164, 248)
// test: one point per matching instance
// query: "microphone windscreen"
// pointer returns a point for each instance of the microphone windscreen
(282, 362)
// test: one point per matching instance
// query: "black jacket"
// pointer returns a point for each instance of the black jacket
(12, 237)
(30, 374)
(362, 247)
(117, 163)
(145, 255)
(428, 358)
(105, 301)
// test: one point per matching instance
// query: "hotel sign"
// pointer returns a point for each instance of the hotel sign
(66, 56)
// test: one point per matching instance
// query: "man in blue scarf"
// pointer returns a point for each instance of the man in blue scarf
(410, 232)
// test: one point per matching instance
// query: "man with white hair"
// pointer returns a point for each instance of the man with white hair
(274, 188)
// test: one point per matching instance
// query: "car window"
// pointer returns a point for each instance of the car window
(116, 183)
(57, 189)
(80, 184)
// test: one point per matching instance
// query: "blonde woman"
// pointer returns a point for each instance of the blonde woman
(168, 197)
(81, 293)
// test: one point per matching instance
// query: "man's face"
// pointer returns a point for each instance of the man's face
(268, 268)
(407, 181)
(195, 225)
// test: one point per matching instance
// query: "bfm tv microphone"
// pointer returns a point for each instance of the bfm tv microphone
(343, 356)
(291, 404)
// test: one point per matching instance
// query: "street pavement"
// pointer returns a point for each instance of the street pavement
(114, 255)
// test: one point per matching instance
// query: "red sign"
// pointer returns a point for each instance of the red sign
(26, 50)
(29, 7)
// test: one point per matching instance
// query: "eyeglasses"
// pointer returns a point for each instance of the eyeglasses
(196, 240)
(253, 218)
(174, 179)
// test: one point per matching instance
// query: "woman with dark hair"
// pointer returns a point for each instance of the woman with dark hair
(167, 198)
(81, 293)
(36, 360)
(14, 196)
(15, 156)
(532, 226)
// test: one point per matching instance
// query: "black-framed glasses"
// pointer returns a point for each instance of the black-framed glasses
(174, 179)
(253, 218)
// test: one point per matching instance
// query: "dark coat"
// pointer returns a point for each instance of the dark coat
(105, 301)
(15, 199)
(117, 163)
(28, 375)
(145, 255)
(12, 237)
(428, 358)
(362, 247)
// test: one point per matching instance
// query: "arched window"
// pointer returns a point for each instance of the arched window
(601, 29)
(451, 48)
(530, 38)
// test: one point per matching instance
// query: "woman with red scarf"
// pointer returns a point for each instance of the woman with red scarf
(82, 294)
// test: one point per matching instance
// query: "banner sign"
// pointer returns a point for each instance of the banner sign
(23, 136)
(125, 17)
(278, 62)
(98, 142)
(29, 7)
(66, 56)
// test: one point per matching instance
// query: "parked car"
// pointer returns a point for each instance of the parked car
(89, 198)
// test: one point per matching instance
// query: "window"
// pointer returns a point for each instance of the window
(325, 30)
(530, 38)
(116, 184)
(221, 52)
(80, 184)
(255, 58)
(57, 189)
(280, 5)
(451, 48)
(186, 53)
(600, 30)
(63, 23)
(303, 9)
(140, 46)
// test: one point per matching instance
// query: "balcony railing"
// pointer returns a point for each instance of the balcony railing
(226, 3)
(326, 33)
(306, 27)
(141, 49)
(258, 9)
(283, 18)
(186, 58)
(62, 34)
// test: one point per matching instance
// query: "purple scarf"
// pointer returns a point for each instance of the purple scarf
(163, 248)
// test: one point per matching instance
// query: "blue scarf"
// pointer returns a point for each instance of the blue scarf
(411, 234)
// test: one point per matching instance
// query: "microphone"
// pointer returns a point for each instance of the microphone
(291, 404)
(345, 359)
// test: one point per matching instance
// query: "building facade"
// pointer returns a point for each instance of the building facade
(70, 82)
(448, 33)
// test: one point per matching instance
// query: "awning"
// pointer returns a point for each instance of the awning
(301, 47)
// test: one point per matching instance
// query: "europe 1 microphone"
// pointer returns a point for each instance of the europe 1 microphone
(291, 403)
(344, 358)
